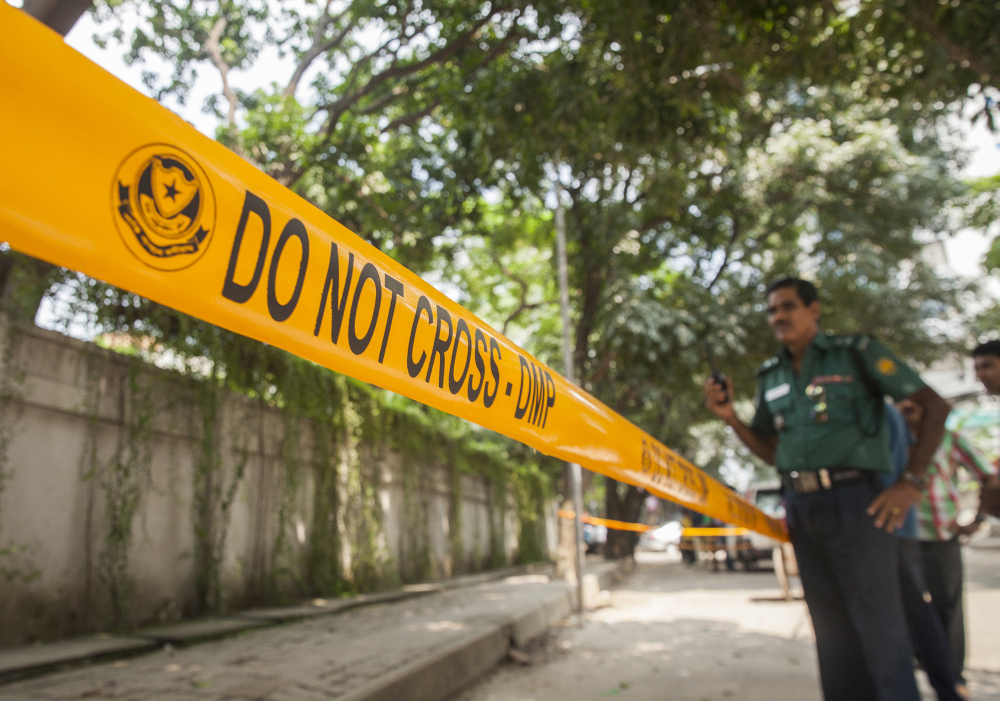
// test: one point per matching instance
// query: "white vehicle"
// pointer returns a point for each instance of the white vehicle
(766, 496)
(594, 538)
(662, 537)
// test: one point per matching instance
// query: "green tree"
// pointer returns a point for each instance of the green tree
(980, 209)
(688, 189)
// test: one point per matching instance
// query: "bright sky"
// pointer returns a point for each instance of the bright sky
(964, 251)
(269, 68)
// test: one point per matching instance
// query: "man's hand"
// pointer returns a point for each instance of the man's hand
(717, 400)
(890, 507)
(989, 500)
(722, 406)
(967, 529)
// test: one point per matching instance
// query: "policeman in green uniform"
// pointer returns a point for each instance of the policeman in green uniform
(819, 420)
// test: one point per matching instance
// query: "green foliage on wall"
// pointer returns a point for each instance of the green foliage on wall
(124, 480)
(322, 567)
(11, 392)
(327, 481)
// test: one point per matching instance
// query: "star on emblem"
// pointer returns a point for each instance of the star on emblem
(172, 192)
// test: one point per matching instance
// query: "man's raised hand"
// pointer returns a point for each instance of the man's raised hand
(720, 399)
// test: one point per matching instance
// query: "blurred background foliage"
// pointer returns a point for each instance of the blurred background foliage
(702, 149)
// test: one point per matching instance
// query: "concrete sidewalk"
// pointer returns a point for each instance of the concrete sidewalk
(686, 634)
(423, 647)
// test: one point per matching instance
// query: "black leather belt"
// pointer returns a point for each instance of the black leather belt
(807, 482)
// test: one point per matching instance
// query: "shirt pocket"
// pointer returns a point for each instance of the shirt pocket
(782, 406)
(841, 403)
(851, 403)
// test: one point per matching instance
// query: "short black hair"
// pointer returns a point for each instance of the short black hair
(803, 288)
(988, 348)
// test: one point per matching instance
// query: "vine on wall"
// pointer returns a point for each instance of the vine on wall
(361, 478)
(350, 425)
(497, 510)
(414, 541)
(322, 567)
(12, 375)
(456, 526)
(336, 432)
(124, 480)
(531, 493)
(212, 498)
(286, 576)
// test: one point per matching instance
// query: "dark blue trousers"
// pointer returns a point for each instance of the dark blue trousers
(926, 630)
(850, 577)
(942, 561)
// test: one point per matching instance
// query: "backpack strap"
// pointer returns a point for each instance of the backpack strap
(870, 384)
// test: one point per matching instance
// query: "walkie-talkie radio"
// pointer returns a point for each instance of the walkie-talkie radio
(719, 378)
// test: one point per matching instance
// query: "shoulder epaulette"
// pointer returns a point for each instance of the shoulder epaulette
(859, 341)
(768, 364)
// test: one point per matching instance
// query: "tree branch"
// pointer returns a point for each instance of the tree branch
(958, 54)
(318, 46)
(729, 247)
(602, 370)
(654, 222)
(523, 304)
(215, 52)
(445, 52)
(408, 119)
(631, 394)
(338, 108)
(499, 48)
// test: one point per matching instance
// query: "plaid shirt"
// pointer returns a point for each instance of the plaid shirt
(940, 503)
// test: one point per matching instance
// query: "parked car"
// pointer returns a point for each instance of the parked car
(766, 496)
(662, 537)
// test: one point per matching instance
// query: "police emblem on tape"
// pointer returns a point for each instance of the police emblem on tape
(164, 207)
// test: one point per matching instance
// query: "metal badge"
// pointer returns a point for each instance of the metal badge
(817, 393)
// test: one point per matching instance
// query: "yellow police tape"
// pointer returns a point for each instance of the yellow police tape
(607, 522)
(712, 532)
(642, 527)
(104, 180)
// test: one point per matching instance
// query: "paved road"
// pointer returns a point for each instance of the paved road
(691, 635)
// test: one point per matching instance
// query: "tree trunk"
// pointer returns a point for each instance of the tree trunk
(23, 283)
(621, 543)
(23, 279)
(59, 15)
(566, 547)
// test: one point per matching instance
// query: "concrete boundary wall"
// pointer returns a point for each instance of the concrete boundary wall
(113, 513)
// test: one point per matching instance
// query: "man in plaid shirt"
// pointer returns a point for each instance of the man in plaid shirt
(939, 530)
(986, 358)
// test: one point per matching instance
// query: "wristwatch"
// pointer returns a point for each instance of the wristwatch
(917, 481)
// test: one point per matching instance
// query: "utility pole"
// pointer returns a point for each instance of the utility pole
(574, 477)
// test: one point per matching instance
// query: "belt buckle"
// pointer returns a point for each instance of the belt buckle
(824, 478)
(805, 482)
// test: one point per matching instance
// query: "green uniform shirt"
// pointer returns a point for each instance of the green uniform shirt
(831, 415)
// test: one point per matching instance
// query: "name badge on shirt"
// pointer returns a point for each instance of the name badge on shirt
(777, 392)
